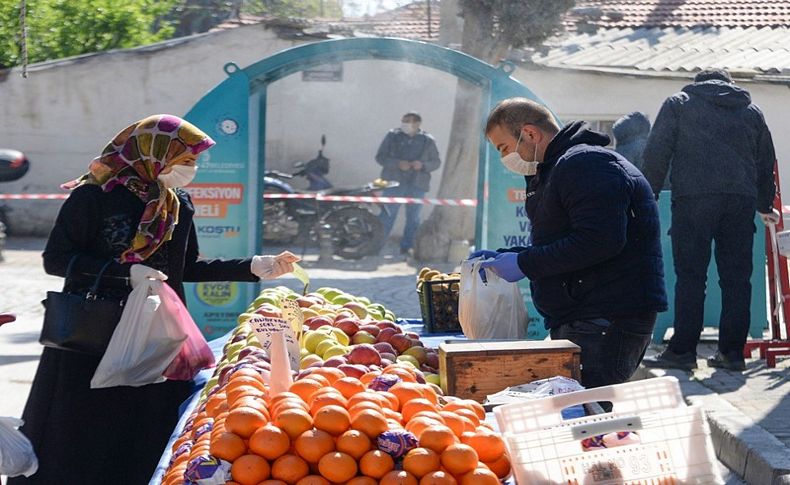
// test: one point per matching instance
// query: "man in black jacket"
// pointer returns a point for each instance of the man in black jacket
(719, 154)
(407, 155)
(594, 259)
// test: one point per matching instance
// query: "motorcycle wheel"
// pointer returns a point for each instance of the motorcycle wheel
(356, 232)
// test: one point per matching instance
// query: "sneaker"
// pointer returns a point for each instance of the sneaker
(721, 361)
(670, 360)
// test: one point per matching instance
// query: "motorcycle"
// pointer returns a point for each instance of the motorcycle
(354, 228)
(13, 166)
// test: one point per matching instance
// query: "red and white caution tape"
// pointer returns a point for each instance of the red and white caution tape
(33, 196)
(378, 200)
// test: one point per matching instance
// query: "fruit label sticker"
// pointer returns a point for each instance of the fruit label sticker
(265, 327)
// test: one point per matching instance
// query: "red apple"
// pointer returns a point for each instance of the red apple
(348, 326)
(317, 321)
(335, 361)
(401, 343)
(364, 354)
(269, 310)
(371, 329)
(385, 335)
(355, 371)
(382, 324)
(433, 359)
(385, 347)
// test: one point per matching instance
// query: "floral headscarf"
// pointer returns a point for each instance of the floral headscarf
(134, 159)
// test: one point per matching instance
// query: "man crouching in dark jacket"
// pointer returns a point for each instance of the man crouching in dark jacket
(594, 259)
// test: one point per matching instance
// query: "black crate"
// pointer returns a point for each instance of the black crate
(439, 305)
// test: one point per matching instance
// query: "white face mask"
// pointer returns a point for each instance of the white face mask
(409, 128)
(513, 161)
(178, 176)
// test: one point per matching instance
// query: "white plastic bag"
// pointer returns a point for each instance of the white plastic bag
(144, 343)
(16, 453)
(491, 310)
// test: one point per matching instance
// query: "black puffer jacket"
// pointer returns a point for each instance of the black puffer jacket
(595, 243)
(712, 139)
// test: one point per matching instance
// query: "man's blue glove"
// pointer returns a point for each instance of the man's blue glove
(483, 253)
(505, 265)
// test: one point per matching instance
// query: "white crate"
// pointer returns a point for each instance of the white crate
(675, 445)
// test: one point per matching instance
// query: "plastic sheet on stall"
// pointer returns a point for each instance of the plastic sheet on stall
(539, 389)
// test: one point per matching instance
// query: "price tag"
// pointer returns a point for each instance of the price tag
(265, 327)
(302, 276)
(292, 313)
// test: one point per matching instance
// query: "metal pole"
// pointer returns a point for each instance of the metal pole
(429, 18)
(23, 41)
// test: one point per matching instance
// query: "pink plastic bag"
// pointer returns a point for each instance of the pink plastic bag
(195, 353)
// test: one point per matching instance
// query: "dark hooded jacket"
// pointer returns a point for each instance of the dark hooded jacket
(595, 242)
(712, 140)
(630, 134)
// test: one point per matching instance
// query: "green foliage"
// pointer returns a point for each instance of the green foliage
(517, 23)
(62, 28)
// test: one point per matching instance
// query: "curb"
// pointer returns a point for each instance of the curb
(751, 452)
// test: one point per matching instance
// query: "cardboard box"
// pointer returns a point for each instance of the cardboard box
(474, 369)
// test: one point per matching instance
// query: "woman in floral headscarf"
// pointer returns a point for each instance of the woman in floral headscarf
(127, 210)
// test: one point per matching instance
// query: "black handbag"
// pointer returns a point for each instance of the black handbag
(80, 323)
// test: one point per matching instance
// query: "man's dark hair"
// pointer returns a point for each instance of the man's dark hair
(713, 74)
(413, 115)
(514, 113)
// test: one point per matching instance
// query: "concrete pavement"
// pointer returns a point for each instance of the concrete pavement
(388, 279)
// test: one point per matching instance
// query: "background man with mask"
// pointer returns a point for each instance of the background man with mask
(594, 260)
(717, 149)
(408, 155)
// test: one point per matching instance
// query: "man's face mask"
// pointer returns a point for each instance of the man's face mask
(513, 161)
(178, 176)
(410, 128)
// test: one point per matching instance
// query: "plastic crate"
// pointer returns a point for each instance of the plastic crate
(675, 442)
(439, 305)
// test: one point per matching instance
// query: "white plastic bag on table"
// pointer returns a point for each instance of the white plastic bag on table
(491, 310)
(16, 453)
(144, 343)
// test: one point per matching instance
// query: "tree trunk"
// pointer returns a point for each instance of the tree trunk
(459, 175)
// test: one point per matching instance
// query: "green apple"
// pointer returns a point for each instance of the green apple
(334, 351)
(313, 338)
(340, 336)
(433, 379)
(342, 299)
(303, 352)
(364, 300)
(325, 345)
(243, 317)
(309, 360)
(409, 360)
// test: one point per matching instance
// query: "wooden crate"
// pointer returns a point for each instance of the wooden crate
(473, 370)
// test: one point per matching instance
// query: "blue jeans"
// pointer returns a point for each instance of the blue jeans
(412, 214)
(610, 354)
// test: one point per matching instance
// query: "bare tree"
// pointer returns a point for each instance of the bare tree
(490, 28)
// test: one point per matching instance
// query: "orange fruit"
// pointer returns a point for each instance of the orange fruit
(419, 424)
(335, 420)
(404, 374)
(459, 459)
(370, 422)
(244, 421)
(282, 396)
(246, 371)
(430, 393)
(429, 414)
(366, 396)
(439, 477)
(294, 422)
(313, 480)
(348, 386)
(250, 469)
(369, 376)
(242, 379)
(477, 408)
(265, 482)
(305, 388)
(501, 467)
(354, 443)
(214, 402)
(327, 399)
(393, 415)
(323, 380)
(249, 401)
(337, 467)
(488, 445)
(325, 391)
(437, 438)
(290, 469)
(406, 391)
(288, 404)
(227, 446)
(421, 461)
(270, 442)
(396, 477)
(390, 400)
(376, 464)
(457, 404)
(410, 408)
(356, 408)
(332, 374)
(458, 424)
(362, 481)
(471, 415)
(313, 444)
(480, 476)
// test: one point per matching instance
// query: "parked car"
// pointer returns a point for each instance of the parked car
(13, 165)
